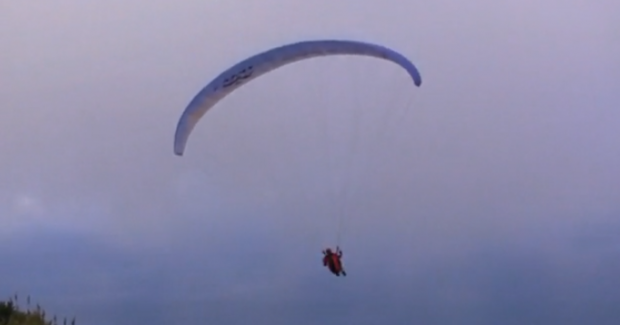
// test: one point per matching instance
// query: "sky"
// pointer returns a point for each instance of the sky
(489, 195)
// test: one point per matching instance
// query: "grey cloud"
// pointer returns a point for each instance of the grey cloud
(490, 198)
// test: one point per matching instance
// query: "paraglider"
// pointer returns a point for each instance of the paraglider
(267, 61)
(333, 261)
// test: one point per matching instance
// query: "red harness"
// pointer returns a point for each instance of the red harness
(333, 261)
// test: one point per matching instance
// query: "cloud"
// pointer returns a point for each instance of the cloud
(490, 198)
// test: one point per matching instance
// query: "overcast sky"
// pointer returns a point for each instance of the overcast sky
(489, 195)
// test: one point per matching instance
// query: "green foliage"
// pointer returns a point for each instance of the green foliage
(12, 314)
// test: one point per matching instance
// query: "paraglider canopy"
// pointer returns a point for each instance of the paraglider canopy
(272, 59)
